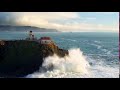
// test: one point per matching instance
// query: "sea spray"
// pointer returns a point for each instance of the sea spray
(74, 63)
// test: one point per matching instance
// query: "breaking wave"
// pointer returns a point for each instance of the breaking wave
(73, 64)
(76, 65)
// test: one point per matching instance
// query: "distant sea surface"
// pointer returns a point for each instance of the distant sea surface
(92, 54)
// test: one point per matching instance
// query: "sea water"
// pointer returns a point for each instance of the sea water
(91, 54)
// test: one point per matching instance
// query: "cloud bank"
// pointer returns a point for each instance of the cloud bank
(63, 21)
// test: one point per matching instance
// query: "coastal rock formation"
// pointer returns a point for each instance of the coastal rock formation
(21, 57)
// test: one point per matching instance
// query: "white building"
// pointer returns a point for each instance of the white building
(45, 40)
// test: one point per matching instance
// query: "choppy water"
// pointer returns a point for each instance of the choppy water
(92, 55)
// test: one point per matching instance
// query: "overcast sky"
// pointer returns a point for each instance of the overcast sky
(64, 21)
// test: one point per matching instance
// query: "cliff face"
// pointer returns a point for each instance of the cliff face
(20, 58)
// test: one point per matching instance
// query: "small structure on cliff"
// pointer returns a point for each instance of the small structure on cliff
(45, 40)
(42, 40)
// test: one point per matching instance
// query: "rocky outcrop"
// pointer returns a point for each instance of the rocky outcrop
(20, 58)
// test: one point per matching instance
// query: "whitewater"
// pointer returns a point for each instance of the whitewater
(76, 65)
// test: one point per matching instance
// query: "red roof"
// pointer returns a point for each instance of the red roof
(45, 38)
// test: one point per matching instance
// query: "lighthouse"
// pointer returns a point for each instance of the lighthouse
(30, 35)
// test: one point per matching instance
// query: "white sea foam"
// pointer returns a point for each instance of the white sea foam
(97, 42)
(100, 71)
(102, 49)
(73, 64)
(76, 65)
(98, 46)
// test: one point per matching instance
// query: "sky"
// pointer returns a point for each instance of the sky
(64, 21)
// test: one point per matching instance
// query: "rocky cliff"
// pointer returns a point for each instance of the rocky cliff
(19, 58)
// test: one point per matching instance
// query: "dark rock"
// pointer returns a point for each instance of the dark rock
(20, 58)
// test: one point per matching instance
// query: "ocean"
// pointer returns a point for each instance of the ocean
(92, 54)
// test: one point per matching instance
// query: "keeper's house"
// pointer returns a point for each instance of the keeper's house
(45, 40)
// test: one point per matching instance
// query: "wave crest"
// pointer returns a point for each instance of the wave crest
(74, 63)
